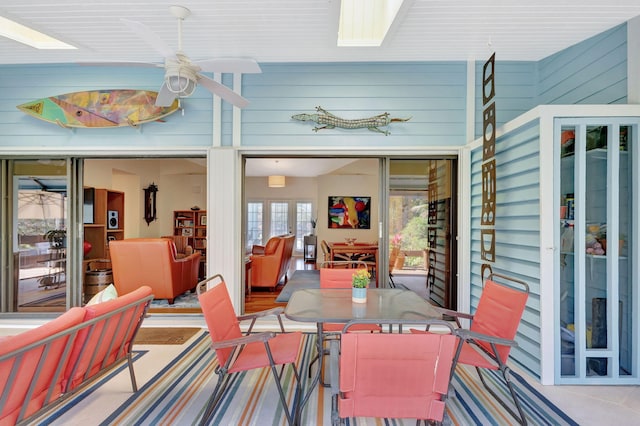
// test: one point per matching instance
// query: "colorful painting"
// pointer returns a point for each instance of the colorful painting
(349, 212)
(99, 108)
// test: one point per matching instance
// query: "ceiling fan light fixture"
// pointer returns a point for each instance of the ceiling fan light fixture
(181, 81)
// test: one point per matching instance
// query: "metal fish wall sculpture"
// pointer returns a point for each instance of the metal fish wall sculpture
(99, 108)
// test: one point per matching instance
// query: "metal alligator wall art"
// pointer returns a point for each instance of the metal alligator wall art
(330, 121)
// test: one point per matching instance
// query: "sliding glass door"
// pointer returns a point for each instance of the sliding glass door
(421, 227)
(39, 245)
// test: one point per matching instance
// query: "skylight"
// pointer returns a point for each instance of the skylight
(29, 36)
(366, 22)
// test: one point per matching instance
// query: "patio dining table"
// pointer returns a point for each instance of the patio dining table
(335, 306)
(355, 249)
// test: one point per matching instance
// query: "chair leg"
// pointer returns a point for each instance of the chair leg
(522, 419)
(134, 385)
(292, 416)
(221, 385)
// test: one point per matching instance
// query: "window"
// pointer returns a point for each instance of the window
(268, 218)
(304, 216)
(254, 224)
(279, 223)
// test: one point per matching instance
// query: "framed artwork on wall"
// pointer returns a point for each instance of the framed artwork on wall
(349, 212)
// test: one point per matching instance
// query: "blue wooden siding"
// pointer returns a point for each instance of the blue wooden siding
(515, 91)
(517, 229)
(593, 71)
(19, 129)
(431, 94)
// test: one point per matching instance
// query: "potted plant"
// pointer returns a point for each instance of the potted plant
(360, 282)
(396, 242)
(57, 237)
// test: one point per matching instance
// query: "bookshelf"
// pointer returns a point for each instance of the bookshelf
(192, 224)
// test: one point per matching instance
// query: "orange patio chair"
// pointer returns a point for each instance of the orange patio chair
(391, 375)
(490, 337)
(237, 352)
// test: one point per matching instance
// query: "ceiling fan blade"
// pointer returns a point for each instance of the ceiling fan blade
(229, 65)
(223, 91)
(165, 97)
(150, 37)
(121, 64)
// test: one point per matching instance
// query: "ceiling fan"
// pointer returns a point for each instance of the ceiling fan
(182, 75)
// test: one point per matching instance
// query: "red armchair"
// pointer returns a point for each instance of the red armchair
(153, 262)
(269, 264)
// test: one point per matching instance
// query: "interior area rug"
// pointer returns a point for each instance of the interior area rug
(165, 335)
(178, 395)
(188, 300)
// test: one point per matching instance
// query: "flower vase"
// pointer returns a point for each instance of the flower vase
(359, 295)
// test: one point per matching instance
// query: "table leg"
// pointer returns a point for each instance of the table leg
(316, 378)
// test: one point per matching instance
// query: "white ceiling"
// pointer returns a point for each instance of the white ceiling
(305, 30)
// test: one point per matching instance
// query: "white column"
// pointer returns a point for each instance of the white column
(633, 61)
(471, 100)
(223, 219)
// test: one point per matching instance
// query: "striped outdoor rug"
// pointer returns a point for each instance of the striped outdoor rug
(177, 396)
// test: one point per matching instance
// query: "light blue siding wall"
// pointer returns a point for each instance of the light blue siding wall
(517, 229)
(194, 128)
(432, 94)
(593, 71)
(515, 91)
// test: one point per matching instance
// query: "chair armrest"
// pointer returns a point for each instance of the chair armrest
(260, 314)
(472, 335)
(256, 249)
(453, 313)
(258, 337)
(188, 258)
(255, 315)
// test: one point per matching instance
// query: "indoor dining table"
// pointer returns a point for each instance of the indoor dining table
(355, 249)
(335, 306)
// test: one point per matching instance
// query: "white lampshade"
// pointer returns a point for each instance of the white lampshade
(276, 181)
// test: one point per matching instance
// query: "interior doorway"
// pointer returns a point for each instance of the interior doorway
(418, 208)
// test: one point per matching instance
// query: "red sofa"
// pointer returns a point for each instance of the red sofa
(269, 263)
(153, 262)
(41, 367)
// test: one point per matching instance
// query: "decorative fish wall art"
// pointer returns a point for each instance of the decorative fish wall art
(99, 108)
(330, 121)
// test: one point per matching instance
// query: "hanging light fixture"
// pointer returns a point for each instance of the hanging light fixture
(276, 181)
(180, 80)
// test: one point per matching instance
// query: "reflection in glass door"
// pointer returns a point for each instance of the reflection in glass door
(422, 228)
(40, 235)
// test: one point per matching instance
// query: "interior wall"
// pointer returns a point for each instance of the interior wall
(129, 184)
(181, 185)
(357, 179)
(297, 188)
